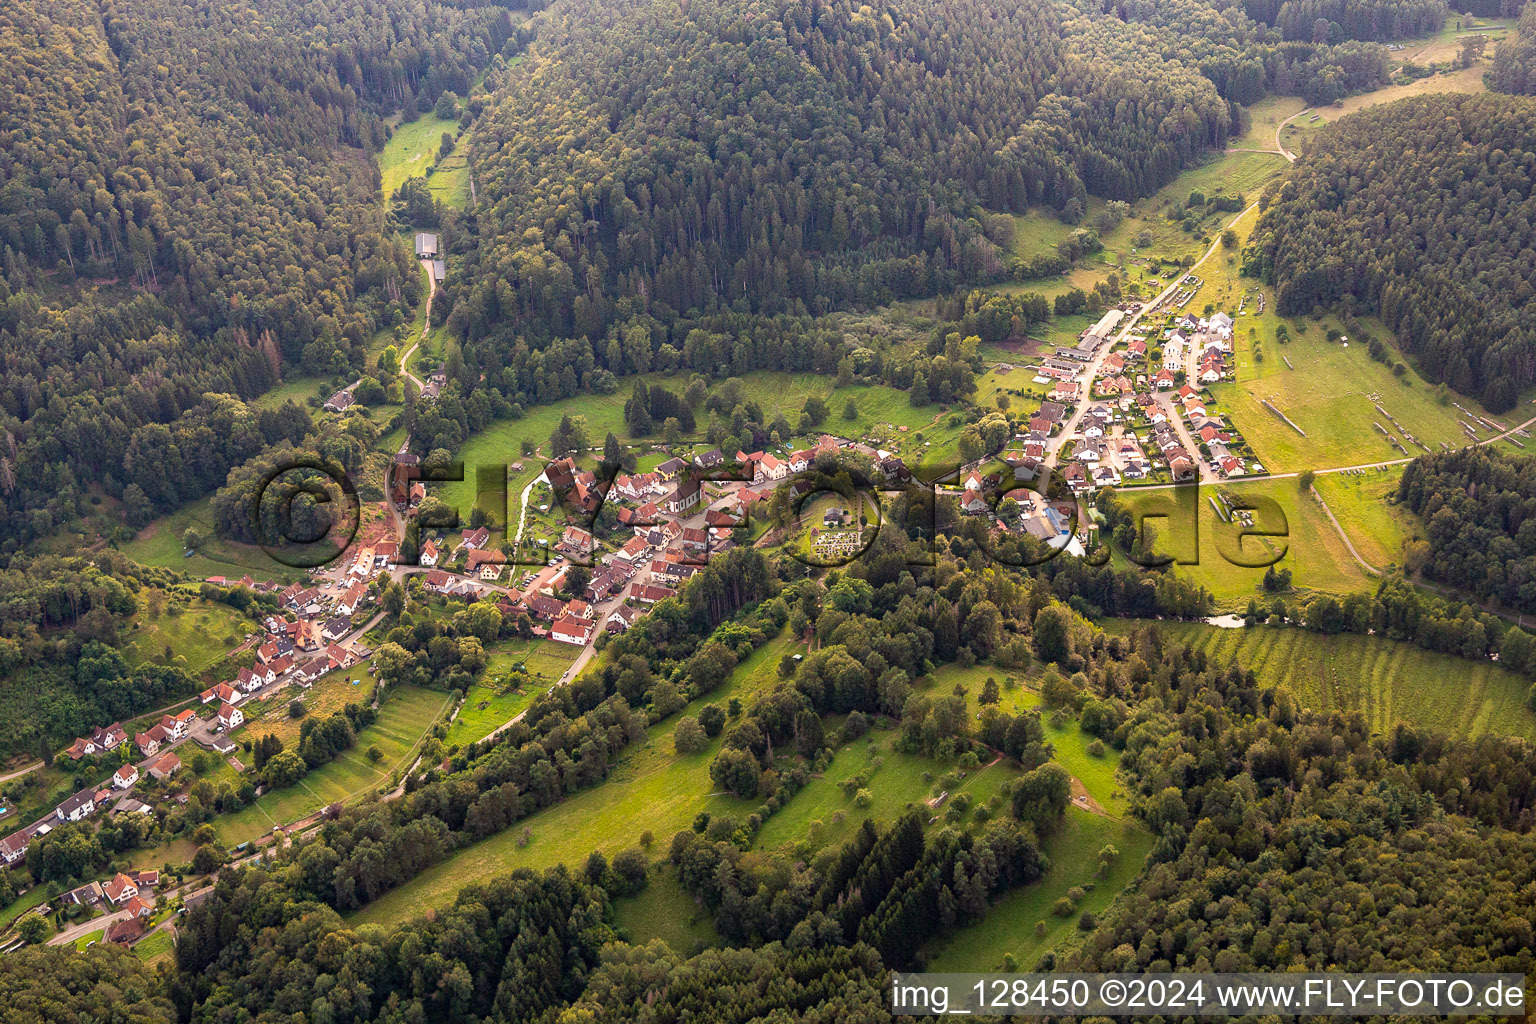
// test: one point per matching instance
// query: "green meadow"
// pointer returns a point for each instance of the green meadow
(1022, 922)
(1312, 549)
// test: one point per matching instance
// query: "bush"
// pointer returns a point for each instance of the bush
(712, 718)
(629, 870)
(689, 737)
(863, 798)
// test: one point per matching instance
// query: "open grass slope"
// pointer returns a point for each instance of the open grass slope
(1387, 680)
(1022, 922)
(1331, 389)
(1360, 501)
(404, 720)
(1313, 549)
(1145, 248)
(160, 543)
(412, 149)
(665, 910)
(200, 633)
(651, 789)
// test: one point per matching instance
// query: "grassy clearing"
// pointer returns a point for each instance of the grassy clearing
(1227, 174)
(412, 149)
(1360, 502)
(1263, 118)
(665, 910)
(1021, 923)
(299, 389)
(822, 814)
(159, 543)
(1295, 134)
(1036, 233)
(1313, 550)
(1388, 681)
(1095, 774)
(404, 718)
(155, 947)
(651, 789)
(200, 634)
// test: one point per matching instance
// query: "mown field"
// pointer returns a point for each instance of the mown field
(1387, 680)
(1313, 550)
(404, 719)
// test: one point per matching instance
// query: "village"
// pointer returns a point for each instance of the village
(1131, 406)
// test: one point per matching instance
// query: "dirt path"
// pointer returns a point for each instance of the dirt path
(405, 358)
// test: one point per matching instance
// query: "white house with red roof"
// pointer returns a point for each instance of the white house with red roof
(125, 777)
(230, 717)
(571, 630)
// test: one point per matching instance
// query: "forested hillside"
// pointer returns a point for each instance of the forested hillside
(792, 156)
(1322, 21)
(1242, 57)
(1420, 212)
(1479, 512)
(187, 206)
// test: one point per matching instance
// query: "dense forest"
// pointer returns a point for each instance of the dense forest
(792, 158)
(1322, 21)
(1479, 512)
(1419, 212)
(187, 206)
